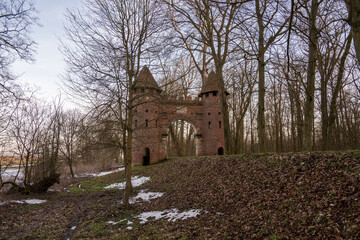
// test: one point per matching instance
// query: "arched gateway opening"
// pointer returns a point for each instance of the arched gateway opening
(181, 139)
(221, 151)
(146, 157)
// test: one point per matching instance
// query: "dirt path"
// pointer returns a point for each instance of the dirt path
(78, 216)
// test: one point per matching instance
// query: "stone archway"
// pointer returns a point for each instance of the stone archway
(190, 144)
(196, 124)
(154, 111)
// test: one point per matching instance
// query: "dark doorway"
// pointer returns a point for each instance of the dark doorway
(220, 151)
(146, 157)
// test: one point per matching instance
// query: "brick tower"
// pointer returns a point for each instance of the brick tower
(153, 113)
(146, 135)
(213, 133)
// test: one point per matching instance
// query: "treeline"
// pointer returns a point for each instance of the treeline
(291, 67)
(46, 140)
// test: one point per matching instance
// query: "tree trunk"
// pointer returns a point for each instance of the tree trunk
(71, 167)
(333, 105)
(324, 112)
(353, 7)
(128, 153)
(310, 84)
(261, 100)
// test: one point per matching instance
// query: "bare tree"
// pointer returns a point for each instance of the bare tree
(243, 78)
(110, 39)
(70, 125)
(26, 127)
(271, 26)
(50, 141)
(311, 13)
(212, 26)
(16, 19)
(334, 47)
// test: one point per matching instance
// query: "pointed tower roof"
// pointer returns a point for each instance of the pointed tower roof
(146, 80)
(210, 84)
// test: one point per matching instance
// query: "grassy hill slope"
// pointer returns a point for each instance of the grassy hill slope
(291, 196)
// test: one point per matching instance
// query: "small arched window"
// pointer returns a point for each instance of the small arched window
(146, 123)
(209, 124)
(219, 124)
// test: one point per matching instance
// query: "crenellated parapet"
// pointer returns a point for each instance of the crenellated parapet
(181, 101)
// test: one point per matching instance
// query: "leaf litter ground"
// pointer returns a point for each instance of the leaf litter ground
(289, 196)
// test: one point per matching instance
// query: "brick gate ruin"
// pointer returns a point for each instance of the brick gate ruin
(153, 113)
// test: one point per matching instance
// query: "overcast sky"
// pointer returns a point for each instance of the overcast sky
(44, 73)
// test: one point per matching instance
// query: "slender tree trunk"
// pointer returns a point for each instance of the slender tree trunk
(293, 134)
(128, 153)
(353, 7)
(299, 123)
(324, 113)
(291, 94)
(175, 140)
(333, 105)
(276, 119)
(310, 84)
(252, 148)
(280, 119)
(242, 136)
(70, 163)
(261, 66)
(182, 143)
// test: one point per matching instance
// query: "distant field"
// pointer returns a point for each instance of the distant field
(9, 160)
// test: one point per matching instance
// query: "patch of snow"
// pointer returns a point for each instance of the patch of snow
(53, 190)
(114, 223)
(107, 172)
(73, 228)
(98, 174)
(27, 201)
(172, 215)
(145, 196)
(10, 173)
(34, 201)
(136, 181)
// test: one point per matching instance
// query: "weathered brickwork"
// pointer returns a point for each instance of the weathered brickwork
(154, 113)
